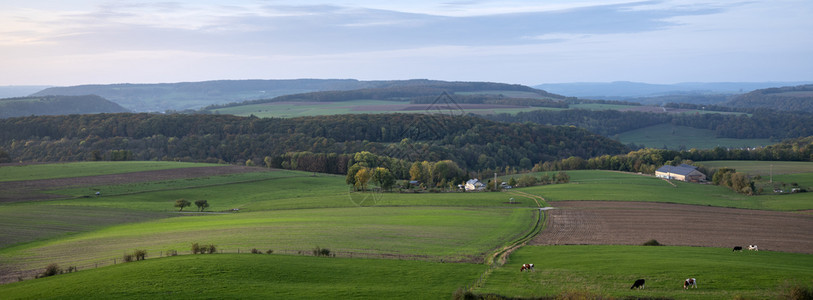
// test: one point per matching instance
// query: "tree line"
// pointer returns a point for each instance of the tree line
(309, 143)
(760, 123)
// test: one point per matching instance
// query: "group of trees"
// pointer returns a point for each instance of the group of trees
(736, 181)
(382, 171)
(201, 204)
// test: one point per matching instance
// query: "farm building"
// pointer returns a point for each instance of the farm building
(682, 172)
(474, 185)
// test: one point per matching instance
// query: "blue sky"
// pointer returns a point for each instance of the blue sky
(525, 42)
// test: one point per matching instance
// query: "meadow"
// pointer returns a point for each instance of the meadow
(611, 270)
(433, 243)
(251, 276)
(619, 186)
(681, 137)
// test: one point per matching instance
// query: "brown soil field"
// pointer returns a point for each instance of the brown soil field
(29, 190)
(633, 223)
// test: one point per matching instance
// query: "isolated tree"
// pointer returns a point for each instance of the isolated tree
(181, 203)
(201, 204)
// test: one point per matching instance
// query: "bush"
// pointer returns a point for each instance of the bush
(172, 252)
(652, 243)
(797, 292)
(196, 248)
(269, 251)
(211, 249)
(321, 251)
(255, 251)
(128, 257)
(140, 254)
(50, 270)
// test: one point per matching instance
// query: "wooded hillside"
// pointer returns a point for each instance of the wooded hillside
(790, 98)
(473, 143)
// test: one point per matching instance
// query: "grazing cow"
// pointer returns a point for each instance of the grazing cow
(529, 267)
(737, 248)
(753, 247)
(638, 284)
(689, 282)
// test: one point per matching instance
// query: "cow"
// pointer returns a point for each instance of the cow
(689, 282)
(529, 267)
(737, 248)
(638, 284)
(753, 248)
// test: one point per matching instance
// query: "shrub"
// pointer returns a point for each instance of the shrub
(796, 292)
(255, 251)
(211, 249)
(321, 251)
(652, 242)
(196, 248)
(172, 252)
(269, 251)
(128, 257)
(50, 270)
(140, 254)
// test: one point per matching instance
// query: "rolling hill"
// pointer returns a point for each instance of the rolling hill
(789, 98)
(57, 105)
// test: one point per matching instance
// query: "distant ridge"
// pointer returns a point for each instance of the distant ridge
(57, 105)
(625, 90)
(159, 97)
(790, 98)
(195, 95)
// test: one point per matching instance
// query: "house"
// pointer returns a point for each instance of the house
(682, 172)
(474, 185)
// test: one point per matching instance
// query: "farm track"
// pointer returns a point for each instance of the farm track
(633, 223)
(30, 190)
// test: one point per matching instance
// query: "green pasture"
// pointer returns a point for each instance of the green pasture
(619, 186)
(252, 276)
(611, 270)
(26, 222)
(682, 137)
(79, 169)
(762, 168)
(422, 233)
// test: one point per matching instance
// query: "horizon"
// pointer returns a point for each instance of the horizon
(529, 43)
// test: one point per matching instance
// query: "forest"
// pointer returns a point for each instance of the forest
(472, 143)
(790, 98)
(761, 123)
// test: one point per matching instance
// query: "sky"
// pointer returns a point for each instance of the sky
(73, 42)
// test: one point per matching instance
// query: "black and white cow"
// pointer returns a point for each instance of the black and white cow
(638, 284)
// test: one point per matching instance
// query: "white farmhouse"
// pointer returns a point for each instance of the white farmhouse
(474, 185)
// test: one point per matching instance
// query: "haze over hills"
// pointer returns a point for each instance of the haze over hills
(647, 93)
(57, 105)
(13, 91)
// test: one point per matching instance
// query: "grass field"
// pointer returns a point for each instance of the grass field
(611, 270)
(409, 232)
(78, 169)
(292, 212)
(618, 186)
(681, 137)
(762, 168)
(250, 276)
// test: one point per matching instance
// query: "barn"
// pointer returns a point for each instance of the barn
(682, 172)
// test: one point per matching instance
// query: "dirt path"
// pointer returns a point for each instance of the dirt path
(633, 223)
(29, 190)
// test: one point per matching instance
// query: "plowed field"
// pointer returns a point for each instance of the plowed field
(633, 223)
